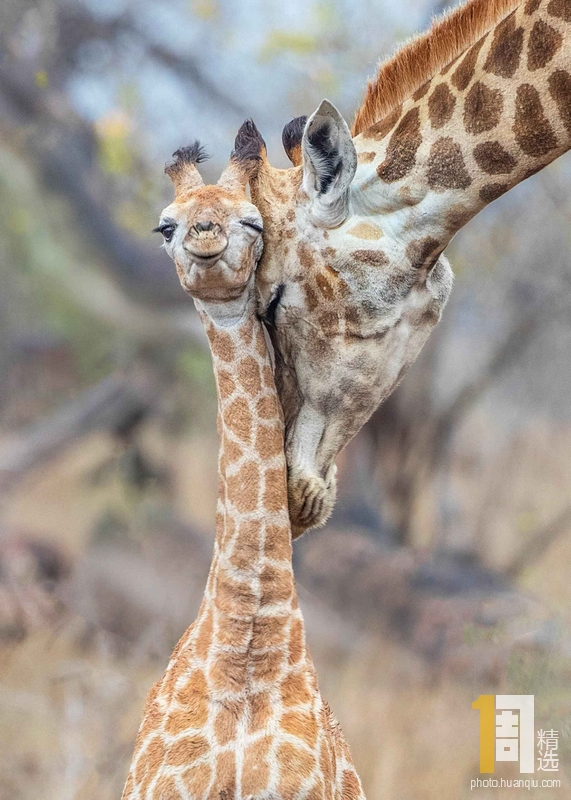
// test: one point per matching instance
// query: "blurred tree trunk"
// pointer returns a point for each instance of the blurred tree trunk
(412, 439)
(116, 404)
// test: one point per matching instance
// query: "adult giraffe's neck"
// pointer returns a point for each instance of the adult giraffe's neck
(251, 576)
(487, 121)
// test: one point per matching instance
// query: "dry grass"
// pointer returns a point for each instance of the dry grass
(70, 711)
(71, 693)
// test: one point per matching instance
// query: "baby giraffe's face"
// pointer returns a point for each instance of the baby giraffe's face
(215, 240)
(213, 233)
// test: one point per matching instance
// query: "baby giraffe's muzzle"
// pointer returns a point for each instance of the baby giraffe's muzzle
(206, 241)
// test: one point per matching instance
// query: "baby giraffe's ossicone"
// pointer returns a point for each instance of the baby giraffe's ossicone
(238, 713)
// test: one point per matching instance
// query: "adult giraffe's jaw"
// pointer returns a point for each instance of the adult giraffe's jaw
(311, 498)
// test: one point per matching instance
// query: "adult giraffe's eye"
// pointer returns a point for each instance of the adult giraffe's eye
(167, 230)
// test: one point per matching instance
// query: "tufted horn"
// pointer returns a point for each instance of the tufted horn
(245, 159)
(183, 172)
(292, 135)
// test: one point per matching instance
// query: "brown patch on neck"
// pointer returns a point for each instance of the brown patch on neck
(560, 9)
(401, 149)
(505, 51)
(446, 166)
(482, 108)
(375, 258)
(491, 192)
(464, 73)
(423, 252)
(441, 106)
(493, 159)
(385, 125)
(560, 91)
(424, 56)
(419, 94)
(532, 129)
(544, 42)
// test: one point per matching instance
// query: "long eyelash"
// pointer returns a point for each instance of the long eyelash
(161, 228)
(253, 225)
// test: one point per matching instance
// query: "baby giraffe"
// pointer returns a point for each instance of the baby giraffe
(238, 714)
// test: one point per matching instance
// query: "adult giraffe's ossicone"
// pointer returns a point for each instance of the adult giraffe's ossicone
(353, 279)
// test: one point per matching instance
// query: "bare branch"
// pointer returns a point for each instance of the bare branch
(78, 26)
(109, 405)
(506, 354)
(64, 154)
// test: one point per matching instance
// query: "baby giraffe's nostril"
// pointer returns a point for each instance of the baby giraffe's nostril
(204, 226)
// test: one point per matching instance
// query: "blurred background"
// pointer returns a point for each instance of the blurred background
(444, 572)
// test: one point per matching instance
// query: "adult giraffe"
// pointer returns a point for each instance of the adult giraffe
(352, 279)
(238, 714)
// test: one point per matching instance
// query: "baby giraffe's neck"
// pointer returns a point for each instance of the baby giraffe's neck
(238, 714)
(250, 597)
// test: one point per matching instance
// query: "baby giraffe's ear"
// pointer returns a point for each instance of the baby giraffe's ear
(329, 165)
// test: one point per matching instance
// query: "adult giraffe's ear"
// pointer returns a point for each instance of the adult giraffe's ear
(329, 165)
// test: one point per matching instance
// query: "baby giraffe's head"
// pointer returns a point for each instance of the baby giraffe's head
(214, 233)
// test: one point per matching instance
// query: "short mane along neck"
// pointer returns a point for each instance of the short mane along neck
(424, 55)
(497, 114)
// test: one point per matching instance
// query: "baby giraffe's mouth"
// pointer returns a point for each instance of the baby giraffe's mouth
(205, 243)
(206, 258)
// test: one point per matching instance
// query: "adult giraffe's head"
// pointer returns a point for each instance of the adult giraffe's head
(214, 233)
(348, 297)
